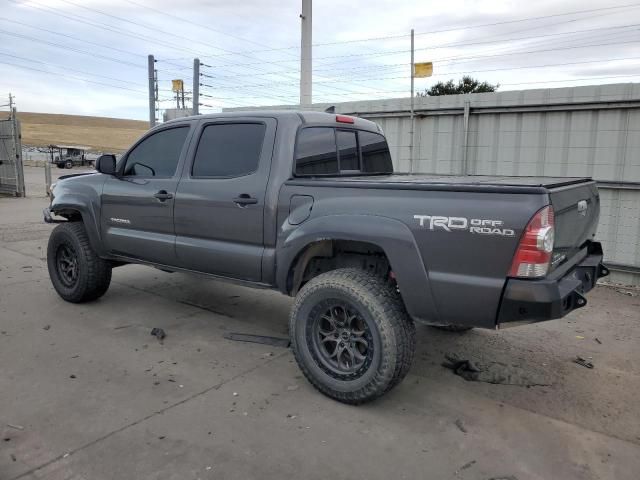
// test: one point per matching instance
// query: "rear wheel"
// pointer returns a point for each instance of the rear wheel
(351, 335)
(68, 164)
(76, 272)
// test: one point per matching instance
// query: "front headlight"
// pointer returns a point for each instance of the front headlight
(51, 187)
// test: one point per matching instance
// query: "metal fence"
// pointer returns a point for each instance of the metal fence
(11, 170)
(580, 131)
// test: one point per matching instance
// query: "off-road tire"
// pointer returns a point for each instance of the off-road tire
(93, 273)
(453, 328)
(386, 317)
(68, 164)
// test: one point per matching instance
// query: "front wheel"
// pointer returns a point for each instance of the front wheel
(351, 335)
(76, 272)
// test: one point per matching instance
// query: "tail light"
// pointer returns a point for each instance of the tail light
(533, 255)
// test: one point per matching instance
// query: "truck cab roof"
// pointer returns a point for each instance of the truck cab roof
(306, 117)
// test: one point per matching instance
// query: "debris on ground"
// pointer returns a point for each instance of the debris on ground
(291, 388)
(13, 457)
(460, 426)
(159, 333)
(15, 427)
(626, 292)
(581, 361)
(46, 327)
(468, 464)
(72, 376)
(598, 340)
(263, 339)
(492, 372)
(235, 394)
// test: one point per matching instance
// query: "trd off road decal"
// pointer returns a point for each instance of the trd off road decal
(471, 225)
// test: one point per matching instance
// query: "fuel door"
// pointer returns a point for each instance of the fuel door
(300, 207)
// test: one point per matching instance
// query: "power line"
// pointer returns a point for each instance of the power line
(65, 68)
(449, 45)
(67, 47)
(207, 27)
(404, 77)
(449, 29)
(158, 30)
(128, 52)
(119, 87)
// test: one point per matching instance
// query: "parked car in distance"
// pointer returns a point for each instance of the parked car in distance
(68, 156)
(307, 203)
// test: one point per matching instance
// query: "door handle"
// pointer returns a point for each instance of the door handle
(244, 200)
(163, 195)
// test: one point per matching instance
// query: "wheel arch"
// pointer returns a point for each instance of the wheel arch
(382, 236)
(77, 212)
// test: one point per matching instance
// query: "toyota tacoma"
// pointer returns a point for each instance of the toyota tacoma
(307, 203)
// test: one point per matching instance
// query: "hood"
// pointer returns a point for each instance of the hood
(71, 175)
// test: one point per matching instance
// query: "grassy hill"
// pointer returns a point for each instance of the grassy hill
(99, 133)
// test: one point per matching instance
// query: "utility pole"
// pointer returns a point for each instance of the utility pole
(17, 148)
(151, 65)
(305, 54)
(196, 86)
(412, 116)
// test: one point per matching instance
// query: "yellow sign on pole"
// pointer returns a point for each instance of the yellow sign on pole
(177, 85)
(422, 70)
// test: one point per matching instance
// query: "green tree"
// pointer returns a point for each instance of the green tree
(465, 85)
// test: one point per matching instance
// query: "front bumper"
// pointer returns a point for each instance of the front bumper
(527, 301)
(46, 213)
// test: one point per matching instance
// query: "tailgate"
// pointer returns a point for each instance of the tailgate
(577, 210)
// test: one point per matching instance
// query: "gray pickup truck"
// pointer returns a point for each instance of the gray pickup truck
(308, 204)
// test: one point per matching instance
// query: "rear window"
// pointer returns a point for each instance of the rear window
(335, 151)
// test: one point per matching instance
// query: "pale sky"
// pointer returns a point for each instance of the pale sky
(89, 57)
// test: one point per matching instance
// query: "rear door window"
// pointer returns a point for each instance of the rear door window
(229, 150)
(316, 152)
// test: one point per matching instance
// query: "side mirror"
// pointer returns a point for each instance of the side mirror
(106, 164)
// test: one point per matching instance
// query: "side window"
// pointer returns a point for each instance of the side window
(375, 153)
(347, 150)
(229, 150)
(157, 155)
(316, 152)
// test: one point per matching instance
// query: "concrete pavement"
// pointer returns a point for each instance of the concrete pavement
(98, 397)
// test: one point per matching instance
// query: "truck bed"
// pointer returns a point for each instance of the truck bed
(448, 182)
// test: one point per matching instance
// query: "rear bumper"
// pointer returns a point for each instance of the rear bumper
(527, 301)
